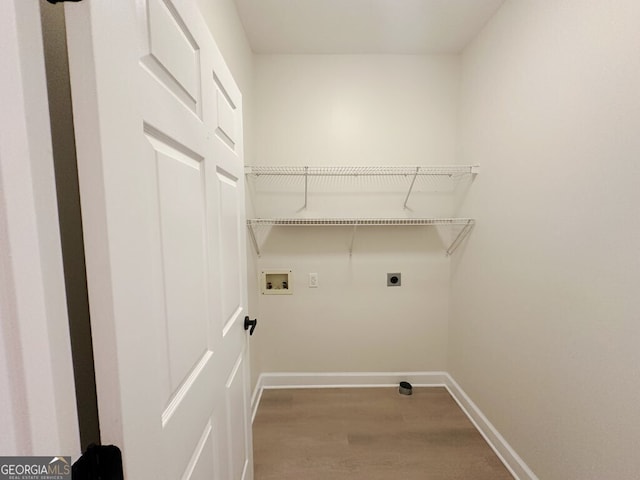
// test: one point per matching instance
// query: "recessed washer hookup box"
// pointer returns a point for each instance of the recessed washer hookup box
(276, 282)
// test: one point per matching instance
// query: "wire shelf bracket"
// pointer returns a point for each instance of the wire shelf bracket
(353, 238)
(413, 182)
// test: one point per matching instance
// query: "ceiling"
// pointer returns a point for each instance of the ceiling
(363, 26)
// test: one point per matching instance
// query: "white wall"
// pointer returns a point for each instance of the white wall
(544, 312)
(353, 110)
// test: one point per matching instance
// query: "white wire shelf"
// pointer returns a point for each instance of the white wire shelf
(265, 222)
(411, 172)
(466, 223)
(368, 170)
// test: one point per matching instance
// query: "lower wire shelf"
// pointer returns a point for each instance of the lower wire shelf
(466, 224)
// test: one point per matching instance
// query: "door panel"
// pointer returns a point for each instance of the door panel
(181, 198)
(236, 392)
(226, 117)
(160, 165)
(200, 466)
(229, 244)
(174, 55)
(188, 414)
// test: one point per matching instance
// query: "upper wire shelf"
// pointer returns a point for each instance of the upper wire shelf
(368, 170)
(263, 222)
(409, 171)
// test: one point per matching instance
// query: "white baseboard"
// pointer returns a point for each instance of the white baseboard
(351, 380)
(342, 380)
(498, 444)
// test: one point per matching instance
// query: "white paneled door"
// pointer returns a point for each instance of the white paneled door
(159, 137)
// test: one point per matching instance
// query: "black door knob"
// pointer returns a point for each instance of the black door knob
(250, 323)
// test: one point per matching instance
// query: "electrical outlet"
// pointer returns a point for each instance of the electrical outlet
(313, 280)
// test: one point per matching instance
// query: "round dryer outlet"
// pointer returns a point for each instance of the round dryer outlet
(394, 279)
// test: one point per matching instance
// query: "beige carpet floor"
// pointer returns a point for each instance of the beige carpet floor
(368, 434)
